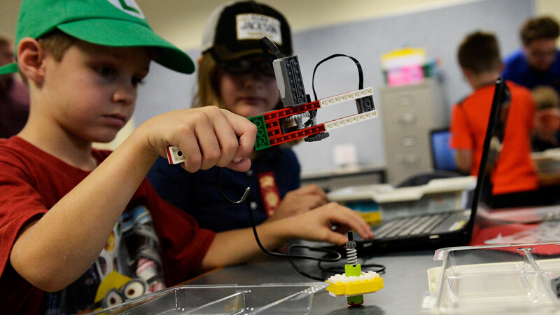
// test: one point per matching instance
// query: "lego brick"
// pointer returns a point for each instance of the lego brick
(365, 104)
(346, 121)
(174, 155)
(367, 282)
(337, 99)
(289, 81)
(352, 270)
(298, 134)
(262, 141)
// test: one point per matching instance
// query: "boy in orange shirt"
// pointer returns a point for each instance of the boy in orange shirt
(514, 178)
(81, 229)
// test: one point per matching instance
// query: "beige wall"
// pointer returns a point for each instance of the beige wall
(172, 18)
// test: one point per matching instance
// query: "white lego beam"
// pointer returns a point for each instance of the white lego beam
(343, 122)
(345, 97)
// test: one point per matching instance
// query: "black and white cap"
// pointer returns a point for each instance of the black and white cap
(235, 28)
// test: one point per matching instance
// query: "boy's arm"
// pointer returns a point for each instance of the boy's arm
(463, 157)
(238, 246)
(461, 140)
(55, 250)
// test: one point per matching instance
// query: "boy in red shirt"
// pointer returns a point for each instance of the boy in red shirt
(513, 175)
(81, 229)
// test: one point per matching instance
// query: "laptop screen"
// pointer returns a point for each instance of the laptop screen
(443, 157)
(495, 126)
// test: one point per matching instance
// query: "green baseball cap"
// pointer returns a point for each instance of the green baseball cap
(116, 23)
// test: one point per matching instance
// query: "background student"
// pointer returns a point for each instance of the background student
(82, 229)
(233, 74)
(537, 63)
(14, 99)
(547, 118)
(513, 175)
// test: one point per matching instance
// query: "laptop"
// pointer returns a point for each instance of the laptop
(436, 230)
(443, 157)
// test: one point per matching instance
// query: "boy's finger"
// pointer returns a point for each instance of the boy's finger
(246, 131)
(336, 238)
(227, 139)
(208, 143)
(192, 154)
(354, 221)
(243, 166)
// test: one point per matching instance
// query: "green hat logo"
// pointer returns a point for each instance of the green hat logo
(128, 6)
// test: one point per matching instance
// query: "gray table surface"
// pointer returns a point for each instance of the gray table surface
(405, 282)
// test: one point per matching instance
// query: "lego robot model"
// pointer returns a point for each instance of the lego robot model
(271, 129)
(354, 283)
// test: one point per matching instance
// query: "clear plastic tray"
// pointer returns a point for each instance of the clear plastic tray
(223, 299)
(516, 279)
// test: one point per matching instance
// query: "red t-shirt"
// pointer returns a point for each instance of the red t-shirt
(514, 171)
(32, 181)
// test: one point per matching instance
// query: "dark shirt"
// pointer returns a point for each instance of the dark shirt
(14, 109)
(197, 193)
(517, 70)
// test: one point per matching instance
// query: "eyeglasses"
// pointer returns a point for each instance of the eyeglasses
(244, 66)
(542, 53)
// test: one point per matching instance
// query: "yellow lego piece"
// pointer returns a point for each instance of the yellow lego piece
(372, 217)
(367, 282)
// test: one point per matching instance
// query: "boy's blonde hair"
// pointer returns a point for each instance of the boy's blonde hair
(55, 43)
(208, 88)
(545, 97)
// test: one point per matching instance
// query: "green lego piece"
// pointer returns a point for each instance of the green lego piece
(352, 270)
(355, 300)
(262, 141)
(356, 271)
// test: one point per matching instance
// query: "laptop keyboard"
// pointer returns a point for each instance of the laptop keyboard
(410, 226)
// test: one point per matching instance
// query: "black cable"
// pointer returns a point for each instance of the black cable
(224, 195)
(360, 72)
(293, 246)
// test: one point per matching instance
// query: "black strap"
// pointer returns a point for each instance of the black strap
(360, 73)
(268, 46)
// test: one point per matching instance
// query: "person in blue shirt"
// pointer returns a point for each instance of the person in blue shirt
(537, 63)
(234, 74)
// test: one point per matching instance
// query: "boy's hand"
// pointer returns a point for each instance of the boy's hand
(300, 200)
(207, 136)
(317, 225)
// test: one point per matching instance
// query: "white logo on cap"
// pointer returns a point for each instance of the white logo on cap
(255, 26)
(128, 6)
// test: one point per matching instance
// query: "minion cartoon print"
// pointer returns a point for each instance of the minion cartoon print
(129, 266)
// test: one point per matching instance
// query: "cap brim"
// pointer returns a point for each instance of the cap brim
(224, 52)
(121, 33)
(9, 68)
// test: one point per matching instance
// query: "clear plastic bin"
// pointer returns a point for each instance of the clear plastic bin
(515, 279)
(223, 299)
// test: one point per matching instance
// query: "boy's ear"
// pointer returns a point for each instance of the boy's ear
(30, 57)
